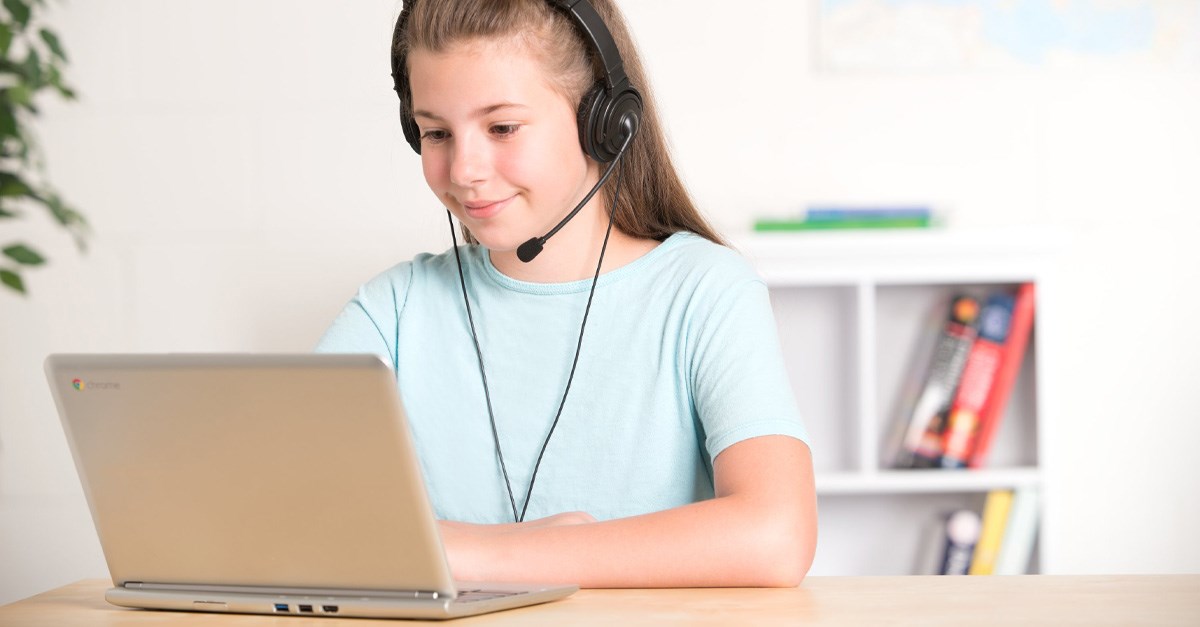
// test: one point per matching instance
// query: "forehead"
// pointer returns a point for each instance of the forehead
(475, 71)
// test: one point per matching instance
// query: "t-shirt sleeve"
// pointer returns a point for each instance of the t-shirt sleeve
(370, 322)
(739, 383)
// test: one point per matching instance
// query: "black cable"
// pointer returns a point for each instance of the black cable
(575, 362)
(482, 372)
(578, 345)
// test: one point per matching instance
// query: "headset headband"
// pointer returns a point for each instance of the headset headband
(584, 15)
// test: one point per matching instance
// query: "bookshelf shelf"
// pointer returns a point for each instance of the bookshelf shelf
(924, 481)
(857, 312)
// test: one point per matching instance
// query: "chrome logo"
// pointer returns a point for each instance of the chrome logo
(78, 384)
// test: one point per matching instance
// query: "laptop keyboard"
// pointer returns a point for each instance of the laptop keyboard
(468, 596)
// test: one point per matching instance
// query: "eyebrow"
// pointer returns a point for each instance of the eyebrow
(421, 113)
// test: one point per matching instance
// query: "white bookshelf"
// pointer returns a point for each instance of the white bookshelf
(857, 313)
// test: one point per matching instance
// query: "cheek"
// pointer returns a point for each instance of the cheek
(545, 168)
(518, 166)
(437, 175)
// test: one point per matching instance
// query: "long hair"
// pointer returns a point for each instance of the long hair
(653, 202)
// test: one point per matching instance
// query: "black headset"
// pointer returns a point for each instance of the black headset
(609, 113)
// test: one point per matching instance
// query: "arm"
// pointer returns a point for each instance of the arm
(759, 530)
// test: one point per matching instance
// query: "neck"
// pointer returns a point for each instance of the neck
(572, 253)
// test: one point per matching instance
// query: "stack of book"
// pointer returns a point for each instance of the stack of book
(825, 218)
(954, 419)
(998, 541)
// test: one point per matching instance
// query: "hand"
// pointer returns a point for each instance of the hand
(470, 547)
(557, 520)
(454, 527)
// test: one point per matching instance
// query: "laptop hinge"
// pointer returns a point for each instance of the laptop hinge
(271, 590)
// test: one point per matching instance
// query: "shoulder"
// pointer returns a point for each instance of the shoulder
(423, 271)
(705, 265)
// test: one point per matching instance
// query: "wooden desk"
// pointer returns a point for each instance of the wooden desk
(1029, 600)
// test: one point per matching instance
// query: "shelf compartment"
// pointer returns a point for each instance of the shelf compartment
(816, 325)
(925, 481)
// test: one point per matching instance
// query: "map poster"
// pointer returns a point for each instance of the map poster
(968, 35)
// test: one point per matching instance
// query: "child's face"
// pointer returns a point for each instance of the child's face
(499, 147)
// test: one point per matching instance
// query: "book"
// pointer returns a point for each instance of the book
(928, 452)
(786, 224)
(979, 374)
(995, 519)
(1020, 533)
(828, 217)
(1010, 364)
(831, 213)
(911, 440)
(962, 529)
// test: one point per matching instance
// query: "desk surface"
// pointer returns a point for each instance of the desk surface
(1025, 600)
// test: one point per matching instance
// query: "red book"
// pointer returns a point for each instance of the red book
(1010, 364)
(979, 374)
(918, 440)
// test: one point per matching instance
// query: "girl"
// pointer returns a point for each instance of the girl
(613, 412)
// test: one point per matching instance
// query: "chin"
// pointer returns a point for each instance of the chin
(497, 241)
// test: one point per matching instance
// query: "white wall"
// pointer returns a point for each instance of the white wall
(242, 167)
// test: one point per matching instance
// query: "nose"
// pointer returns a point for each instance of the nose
(469, 162)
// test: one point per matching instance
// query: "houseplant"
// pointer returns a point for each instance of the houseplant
(31, 61)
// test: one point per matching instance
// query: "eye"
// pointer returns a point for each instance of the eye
(434, 136)
(505, 130)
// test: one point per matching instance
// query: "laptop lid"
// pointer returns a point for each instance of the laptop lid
(265, 471)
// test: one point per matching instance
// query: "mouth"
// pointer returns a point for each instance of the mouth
(482, 209)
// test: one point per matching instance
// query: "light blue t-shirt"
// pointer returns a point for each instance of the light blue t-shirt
(680, 360)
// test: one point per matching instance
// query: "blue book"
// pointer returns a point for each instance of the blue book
(962, 534)
(1016, 548)
(832, 214)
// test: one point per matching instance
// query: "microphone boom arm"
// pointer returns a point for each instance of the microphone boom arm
(531, 248)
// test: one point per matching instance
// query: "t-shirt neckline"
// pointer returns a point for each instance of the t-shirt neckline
(581, 285)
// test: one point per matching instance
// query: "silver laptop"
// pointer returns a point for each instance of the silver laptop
(267, 484)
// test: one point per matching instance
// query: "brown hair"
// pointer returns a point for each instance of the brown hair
(653, 202)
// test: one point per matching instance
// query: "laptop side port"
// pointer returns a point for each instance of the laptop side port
(281, 607)
(329, 609)
(305, 608)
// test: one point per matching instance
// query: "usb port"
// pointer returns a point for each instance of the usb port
(281, 607)
(329, 609)
(305, 608)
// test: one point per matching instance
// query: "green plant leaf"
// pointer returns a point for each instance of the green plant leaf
(14, 185)
(63, 214)
(55, 79)
(7, 66)
(8, 121)
(19, 11)
(24, 255)
(33, 68)
(20, 95)
(53, 43)
(12, 279)
(6, 37)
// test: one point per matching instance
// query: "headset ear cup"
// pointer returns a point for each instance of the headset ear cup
(601, 132)
(626, 106)
(590, 127)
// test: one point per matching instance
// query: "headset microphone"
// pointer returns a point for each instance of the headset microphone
(533, 247)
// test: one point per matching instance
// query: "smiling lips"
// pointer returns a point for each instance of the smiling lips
(481, 209)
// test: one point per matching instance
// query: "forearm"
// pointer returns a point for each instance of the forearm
(729, 541)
